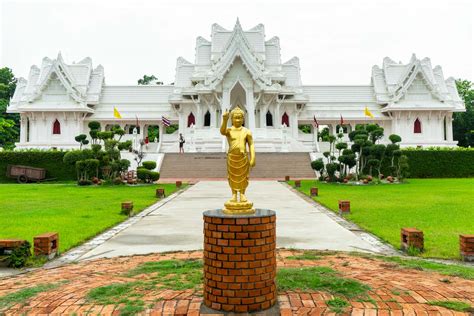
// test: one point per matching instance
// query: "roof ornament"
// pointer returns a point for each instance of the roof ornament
(237, 24)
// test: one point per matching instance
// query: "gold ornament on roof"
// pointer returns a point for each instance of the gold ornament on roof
(239, 161)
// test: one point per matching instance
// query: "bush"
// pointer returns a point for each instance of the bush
(18, 256)
(154, 176)
(440, 162)
(147, 176)
(51, 160)
(150, 165)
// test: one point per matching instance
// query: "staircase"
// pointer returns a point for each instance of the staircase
(213, 166)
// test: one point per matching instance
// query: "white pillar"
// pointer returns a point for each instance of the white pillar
(23, 128)
(181, 122)
(160, 133)
(449, 127)
(294, 124)
(250, 109)
(213, 116)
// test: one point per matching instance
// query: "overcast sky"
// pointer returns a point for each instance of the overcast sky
(337, 41)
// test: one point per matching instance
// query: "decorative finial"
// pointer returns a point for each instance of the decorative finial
(237, 24)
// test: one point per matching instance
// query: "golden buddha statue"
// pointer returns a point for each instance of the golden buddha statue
(238, 161)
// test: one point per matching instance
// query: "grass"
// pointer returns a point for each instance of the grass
(441, 208)
(319, 279)
(465, 272)
(307, 255)
(337, 305)
(454, 305)
(76, 213)
(21, 296)
(167, 274)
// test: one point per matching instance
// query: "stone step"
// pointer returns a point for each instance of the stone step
(213, 165)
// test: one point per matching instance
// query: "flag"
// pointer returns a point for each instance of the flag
(368, 113)
(117, 113)
(316, 121)
(342, 120)
(166, 122)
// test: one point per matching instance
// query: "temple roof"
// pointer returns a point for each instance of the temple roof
(81, 82)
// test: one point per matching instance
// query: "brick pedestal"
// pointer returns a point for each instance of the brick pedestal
(313, 191)
(239, 261)
(160, 193)
(466, 245)
(411, 237)
(287, 178)
(297, 183)
(344, 206)
(179, 184)
(46, 244)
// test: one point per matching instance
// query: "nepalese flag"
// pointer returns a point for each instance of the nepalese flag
(166, 122)
(316, 121)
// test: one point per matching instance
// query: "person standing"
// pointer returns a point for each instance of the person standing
(181, 143)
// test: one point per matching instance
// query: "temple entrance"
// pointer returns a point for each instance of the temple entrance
(269, 119)
(191, 119)
(285, 120)
(207, 119)
(238, 98)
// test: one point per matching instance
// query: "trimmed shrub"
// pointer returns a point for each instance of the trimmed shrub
(154, 176)
(51, 160)
(143, 174)
(440, 162)
(150, 165)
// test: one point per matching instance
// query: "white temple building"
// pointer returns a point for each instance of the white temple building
(235, 67)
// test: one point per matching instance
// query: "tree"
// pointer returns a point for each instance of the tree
(9, 123)
(148, 80)
(463, 124)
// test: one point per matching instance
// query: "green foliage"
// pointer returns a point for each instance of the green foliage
(147, 176)
(19, 256)
(126, 145)
(306, 129)
(51, 160)
(150, 165)
(307, 255)
(9, 123)
(453, 305)
(317, 164)
(319, 279)
(94, 125)
(172, 128)
(21, 296)
(463, 124)
(395, 138)
(147, 80)
(440, 162)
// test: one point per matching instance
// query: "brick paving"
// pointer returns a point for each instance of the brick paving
(395, 290)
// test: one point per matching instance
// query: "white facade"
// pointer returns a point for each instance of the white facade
(236, 67)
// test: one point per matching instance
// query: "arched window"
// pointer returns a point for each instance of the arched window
(285, 119)
(417, 126)
(269, 119)
(207, 119)
(56, 127)
(191, 119)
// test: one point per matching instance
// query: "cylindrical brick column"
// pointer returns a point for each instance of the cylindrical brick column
(239, 261)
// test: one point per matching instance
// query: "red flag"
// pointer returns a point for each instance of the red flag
(342, 120)
(316, 121)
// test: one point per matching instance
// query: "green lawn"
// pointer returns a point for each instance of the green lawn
(77, 213)
(441, 208)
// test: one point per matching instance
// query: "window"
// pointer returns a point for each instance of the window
(207, 119)
(56, 127)
(191, 119)
(285, 119)
(417, 126)
(269, 119)
(27, 130)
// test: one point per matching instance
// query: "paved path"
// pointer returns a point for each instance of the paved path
(177, 225)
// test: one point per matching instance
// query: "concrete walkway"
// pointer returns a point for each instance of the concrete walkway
(177, 225)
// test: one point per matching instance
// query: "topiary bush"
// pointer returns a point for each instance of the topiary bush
(150, 165)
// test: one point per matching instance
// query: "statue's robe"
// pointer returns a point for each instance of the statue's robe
(238, 165)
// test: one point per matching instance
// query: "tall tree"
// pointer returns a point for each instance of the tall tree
(148, 80)
(463, 124)
(9, 123)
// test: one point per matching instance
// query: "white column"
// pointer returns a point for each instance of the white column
(160, 133)
(294, 124)
(23, 128)
(212, 110)
(449, 127)
(250, 109)
(181, 122)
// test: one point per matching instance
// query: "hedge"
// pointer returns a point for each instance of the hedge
(51, 160)
(440, 162)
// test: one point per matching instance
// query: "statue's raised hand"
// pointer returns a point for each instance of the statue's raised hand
(226, 115)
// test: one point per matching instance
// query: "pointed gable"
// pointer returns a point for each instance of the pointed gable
(417, 81)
